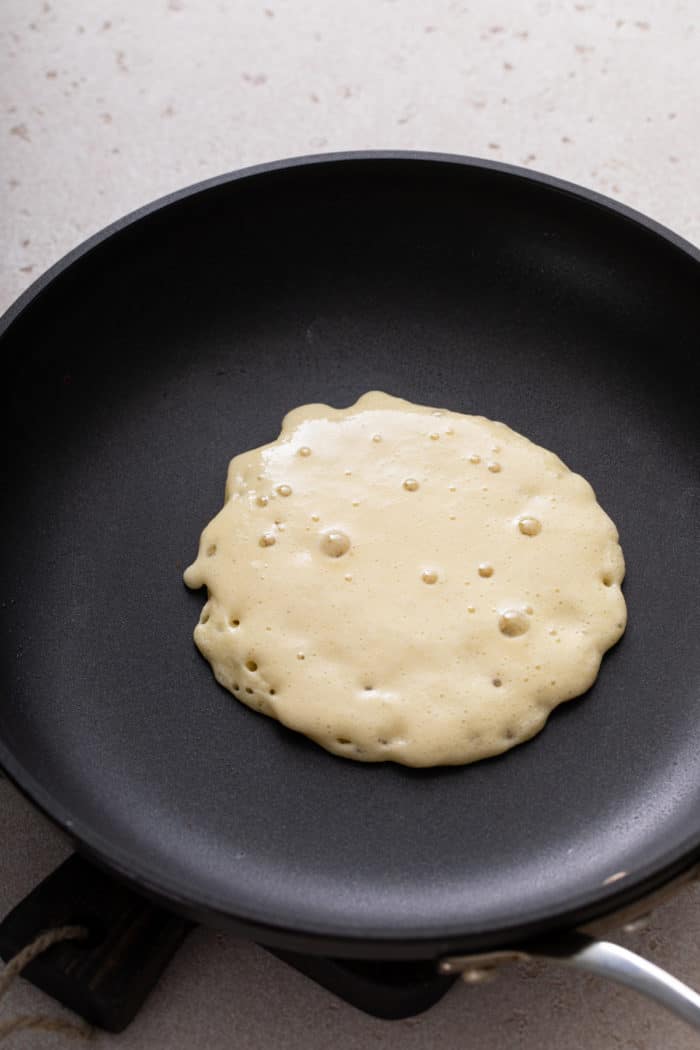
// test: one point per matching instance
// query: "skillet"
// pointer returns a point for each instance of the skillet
(140, 364)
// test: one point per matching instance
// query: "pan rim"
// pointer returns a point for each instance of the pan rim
(311, 160)
(326, 936)
(340, 939)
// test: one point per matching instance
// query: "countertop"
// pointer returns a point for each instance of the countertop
(105, 106)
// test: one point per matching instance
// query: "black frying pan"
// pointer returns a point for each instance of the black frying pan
(139, 365)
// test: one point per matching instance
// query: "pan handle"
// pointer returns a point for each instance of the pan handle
(620, 964)
(600, 957)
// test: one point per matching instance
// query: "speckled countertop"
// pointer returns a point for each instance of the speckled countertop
(106, 105)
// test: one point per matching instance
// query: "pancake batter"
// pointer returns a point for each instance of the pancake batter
(408, 584)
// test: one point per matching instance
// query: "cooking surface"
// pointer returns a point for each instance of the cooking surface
(216, 972)
(139, 372)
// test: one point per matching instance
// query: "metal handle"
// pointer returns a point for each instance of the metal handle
(599, 957)
(628, 968)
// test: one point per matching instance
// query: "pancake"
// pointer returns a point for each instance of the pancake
(405, 583)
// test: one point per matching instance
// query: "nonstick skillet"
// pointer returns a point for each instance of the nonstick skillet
(140, 364)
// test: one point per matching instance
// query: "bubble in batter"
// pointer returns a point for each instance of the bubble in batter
(530, 526)
(513, 622)
(335, 543)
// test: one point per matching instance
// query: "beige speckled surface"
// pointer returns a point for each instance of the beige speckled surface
(104, 106)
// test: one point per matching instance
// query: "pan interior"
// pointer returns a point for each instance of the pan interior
(183, 339)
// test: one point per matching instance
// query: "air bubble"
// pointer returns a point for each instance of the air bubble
(410, 484)
(343, 740)
(267, 539)
(607, 580)
(474, 458)
(497, 682)
(304, 451)
(248, 690)
(485, 570)
(251, 665)
(315, 517)
(348, 577)
(429, 576)
(494, 467)
(335, 543)
(235, 623)
(434, 436)
(529, 526)
(211, 550)
(376, 438)
(284, 490)
(300, 656)
(513, 622)
(261, 501)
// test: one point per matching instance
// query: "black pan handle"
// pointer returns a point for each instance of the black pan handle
(106, 977)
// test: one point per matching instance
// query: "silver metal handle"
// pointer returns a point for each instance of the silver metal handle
(599, 957)
(632, 970)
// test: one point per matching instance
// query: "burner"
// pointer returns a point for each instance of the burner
(391, 989)
(106, 977)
